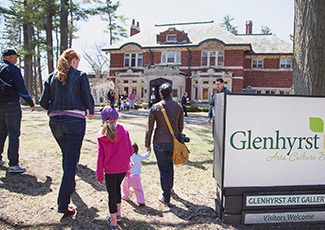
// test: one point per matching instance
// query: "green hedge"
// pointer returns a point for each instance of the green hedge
(197, 109)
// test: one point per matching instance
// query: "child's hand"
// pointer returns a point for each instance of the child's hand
(91, 116)
(100, 182)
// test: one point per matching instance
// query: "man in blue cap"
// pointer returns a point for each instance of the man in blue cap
(12, 87)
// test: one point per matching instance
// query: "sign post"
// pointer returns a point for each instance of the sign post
(269, 158)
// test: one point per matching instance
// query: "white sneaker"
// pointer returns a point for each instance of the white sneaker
(16, 169)
(2, 162)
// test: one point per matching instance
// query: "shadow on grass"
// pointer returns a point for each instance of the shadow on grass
(88, 175)
(194, 213)
(145, 210)
(199, 164)
(195, 164)
(25, 184)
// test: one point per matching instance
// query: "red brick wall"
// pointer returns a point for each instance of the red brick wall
(184, 58)
(237, 72)
(274, 79)
(134, 31)
(268, 63)
(180, 36)
(112, 72)
(234, 58)
(146, 58)
(271, 63)
(117, 60)
(237, 85)
(196, 58)
(247, 63)
(156, 57)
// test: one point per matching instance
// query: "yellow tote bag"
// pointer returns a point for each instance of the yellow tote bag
(180, 152)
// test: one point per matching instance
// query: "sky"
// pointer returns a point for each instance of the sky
(278, 15)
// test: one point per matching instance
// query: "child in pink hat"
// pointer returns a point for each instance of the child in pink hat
(114, 150)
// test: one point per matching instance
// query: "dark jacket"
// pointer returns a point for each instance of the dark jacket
(111, 96)
(211, 108)
(74, 95)
(162, 134)
(12, 76)
(184, 101)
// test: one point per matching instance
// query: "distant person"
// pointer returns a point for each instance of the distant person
(132, 99)
(134, 179)
(162, 140)
(114, 150)
(111, 97)
(12, 87)
(67, 98)
(152, 99)
(183, 103)
(124, 99)
(220, 89)
(119, 102)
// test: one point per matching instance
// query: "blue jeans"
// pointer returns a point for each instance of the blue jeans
(10, 120)
(69, 133)
(164, 155)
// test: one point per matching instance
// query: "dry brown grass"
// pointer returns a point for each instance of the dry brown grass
(28, 201)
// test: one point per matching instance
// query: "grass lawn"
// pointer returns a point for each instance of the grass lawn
(28, 201)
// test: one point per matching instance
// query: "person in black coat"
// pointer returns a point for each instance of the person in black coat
(111, 97)
(183, 102)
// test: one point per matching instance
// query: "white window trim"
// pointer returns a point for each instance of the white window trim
(257, 59)
(136, 59)
(175, 58)
(286, 63)
(171, 35)
(216, 58)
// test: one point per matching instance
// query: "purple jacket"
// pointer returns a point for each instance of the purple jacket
(113, 156)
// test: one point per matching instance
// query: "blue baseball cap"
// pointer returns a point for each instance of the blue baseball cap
(9, 52)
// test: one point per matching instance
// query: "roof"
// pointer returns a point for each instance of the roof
(267, 43)
(198, 33)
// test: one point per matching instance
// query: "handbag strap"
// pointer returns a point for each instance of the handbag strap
(167, 120)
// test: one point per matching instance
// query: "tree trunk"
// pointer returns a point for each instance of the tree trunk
(49, 42)
(28, 60)
(64, 25)
(309, 49)
(39, 72)
(35, 81)
(71, 23)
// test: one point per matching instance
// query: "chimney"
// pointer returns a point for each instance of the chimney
(134, 28)
(249, 27)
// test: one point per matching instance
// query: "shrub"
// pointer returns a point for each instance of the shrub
(197, 109)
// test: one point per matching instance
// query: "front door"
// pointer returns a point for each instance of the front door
(154, 89)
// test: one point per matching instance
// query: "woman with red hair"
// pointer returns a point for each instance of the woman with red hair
(67, 98)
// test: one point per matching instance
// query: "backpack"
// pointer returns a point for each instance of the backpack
(3, 85)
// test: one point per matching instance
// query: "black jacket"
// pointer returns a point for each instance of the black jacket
(12, 76)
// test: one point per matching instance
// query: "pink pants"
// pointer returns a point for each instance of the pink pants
(135, 183)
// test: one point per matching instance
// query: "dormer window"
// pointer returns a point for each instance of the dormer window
(171, 38)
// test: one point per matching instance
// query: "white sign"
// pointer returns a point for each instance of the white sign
(284, 200)
(274, 141)
(268, 218)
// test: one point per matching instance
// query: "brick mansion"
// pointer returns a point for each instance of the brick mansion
(192, 55)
